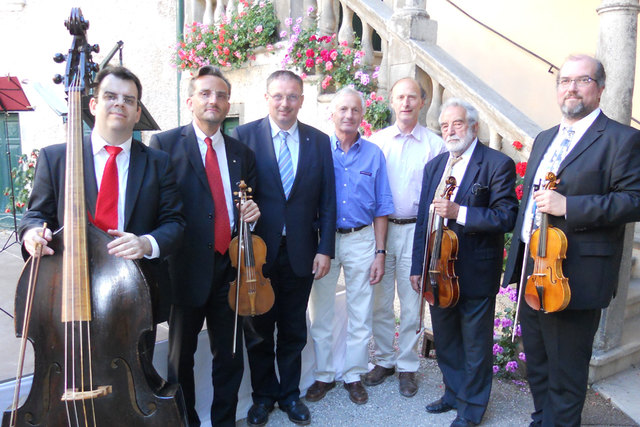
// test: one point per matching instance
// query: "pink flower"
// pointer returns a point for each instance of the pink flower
(258, 29)
(328, 66)
(283, 34)
(345, 44)
(303, 76)
(269, 47)
(310, 10)
(310, 53)
(288, 22)
(333, 54)
(309, 63)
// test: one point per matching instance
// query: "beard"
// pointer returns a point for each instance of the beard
(456, 145)
(576, 112)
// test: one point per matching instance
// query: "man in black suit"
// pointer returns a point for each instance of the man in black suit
(201, 269)
(597, 162)
(482, 208)
(149, 219)
(296, 193)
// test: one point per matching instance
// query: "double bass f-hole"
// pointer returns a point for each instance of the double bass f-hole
(251, 293)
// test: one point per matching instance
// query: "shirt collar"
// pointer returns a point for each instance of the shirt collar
(335, 142)
(98, 143)
(275, 129)
(415, 132)
(581, 126)
(216, 138)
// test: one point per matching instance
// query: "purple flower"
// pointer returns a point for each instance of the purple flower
(506, 322)
(296, 29)
(511, 366)
(283, 34)
(364, 79)
(496, 322)
(310, 10)
(522, 357)
(299, 20)
(497, 349)
(518, 330)
(288, 22)
(496, 369)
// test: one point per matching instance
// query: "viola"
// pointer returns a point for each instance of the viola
(439, 284)
(251, 293)
(547, 289)
(91, 311)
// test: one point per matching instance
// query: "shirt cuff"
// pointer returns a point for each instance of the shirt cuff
(462, 215)
(155, 249)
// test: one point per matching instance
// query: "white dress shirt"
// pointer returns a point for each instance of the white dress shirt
(100, 157)
(293, 142)
(406, 155)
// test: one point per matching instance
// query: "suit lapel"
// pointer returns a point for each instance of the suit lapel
(537, 153)
(90, 184)
(589, 137)
(473, 168)
(304, 155)
(190, 143)
(137, 167)
(442, 164)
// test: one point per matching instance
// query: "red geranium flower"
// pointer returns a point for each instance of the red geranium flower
(517, 145)
(310, 53)
(519, 192)
(521, 168)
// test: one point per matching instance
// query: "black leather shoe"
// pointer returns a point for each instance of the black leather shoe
(461, 422)
(298, 412)
(438, 407)
(258, 414)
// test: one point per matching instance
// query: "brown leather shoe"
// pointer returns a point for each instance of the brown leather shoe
(377, 375)
(408, 384)
(357, 393)
(318, 390)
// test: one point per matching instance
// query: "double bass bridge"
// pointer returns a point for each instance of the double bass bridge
(74, 395)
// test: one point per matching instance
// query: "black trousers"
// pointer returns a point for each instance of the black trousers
(558, 347)
(289, 316)
(463, 336)
(185, 323)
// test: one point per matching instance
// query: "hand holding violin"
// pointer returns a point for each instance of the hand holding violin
(249, 211)
(445, 208)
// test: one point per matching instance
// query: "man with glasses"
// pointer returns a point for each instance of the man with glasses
(597, 162)
(296, 193)
(407, 147)
(481, 209)
(209, 166)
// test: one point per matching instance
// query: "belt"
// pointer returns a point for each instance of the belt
(350, 230)
(403, 221)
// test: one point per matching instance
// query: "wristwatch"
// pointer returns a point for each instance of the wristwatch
(381, 251)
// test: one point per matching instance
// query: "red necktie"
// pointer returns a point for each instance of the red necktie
(107, 203)
(221, 227)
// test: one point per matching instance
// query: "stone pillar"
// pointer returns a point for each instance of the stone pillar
(367, 44)
(433, 114)
(309, 19)
(410, 22)
(231, 7)
(328, 21)
(495, 140)
(213, 13)
(290, 9)
(346, 29)
(617, 51)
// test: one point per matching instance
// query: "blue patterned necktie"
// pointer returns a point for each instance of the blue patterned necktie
(285, 164)
(561, 151)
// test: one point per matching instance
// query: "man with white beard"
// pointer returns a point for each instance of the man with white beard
(482, 208)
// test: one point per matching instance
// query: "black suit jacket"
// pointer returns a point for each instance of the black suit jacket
(310, 211)
(600, 178)
(152, 204)
(191, 267)
(488, 191)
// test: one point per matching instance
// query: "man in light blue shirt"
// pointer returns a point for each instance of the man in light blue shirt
(363, 198)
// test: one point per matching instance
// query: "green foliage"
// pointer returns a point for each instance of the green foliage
(22, 176)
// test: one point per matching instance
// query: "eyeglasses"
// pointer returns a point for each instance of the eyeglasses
(112, 98)
(279, 98)
(205, 95)
(582, 81)
(457, 125)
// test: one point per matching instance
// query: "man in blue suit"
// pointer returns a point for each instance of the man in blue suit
(201, 268)
(482, 208)
(295, 190)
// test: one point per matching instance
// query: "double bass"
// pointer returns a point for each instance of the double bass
(91, 312)
(439, 283)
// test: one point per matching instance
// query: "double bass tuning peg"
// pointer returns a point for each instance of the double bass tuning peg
(59, 58)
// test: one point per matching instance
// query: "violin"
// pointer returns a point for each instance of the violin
(251, 293)
(547, 289)
(439, 284)
(91, 311)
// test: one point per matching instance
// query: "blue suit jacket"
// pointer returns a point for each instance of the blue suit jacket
(488, 191)
(310, 211)
(601, 179)
(191, 267)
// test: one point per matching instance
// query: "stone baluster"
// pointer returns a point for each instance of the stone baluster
(346, 29)
(231, 7)
(383, 72)
(219, 12)
(328, 21)
(194, 11)
(309, 19)
(209, 14)
(433, 114)
(495, 140)
(367, 44)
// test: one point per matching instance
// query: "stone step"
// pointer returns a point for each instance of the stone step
(607, 363)
(632, 307)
